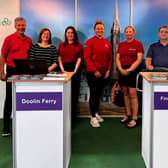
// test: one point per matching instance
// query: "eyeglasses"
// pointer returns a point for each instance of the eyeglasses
(162, 31)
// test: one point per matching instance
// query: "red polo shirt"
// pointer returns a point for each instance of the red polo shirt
(16, 47)
(128, 51)
(98, 55)
(70, 53)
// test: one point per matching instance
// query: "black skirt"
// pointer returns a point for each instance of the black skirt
(129, 80)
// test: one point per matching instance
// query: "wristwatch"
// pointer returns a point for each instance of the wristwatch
(129, 70)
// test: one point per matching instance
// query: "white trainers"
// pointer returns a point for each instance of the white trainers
(5, 134)
(94, 122)
(99, 118)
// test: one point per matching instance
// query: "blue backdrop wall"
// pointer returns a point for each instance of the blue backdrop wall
(147, 17)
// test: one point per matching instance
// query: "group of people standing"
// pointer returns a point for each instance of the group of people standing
(97, 57)
(18, 46)
(129, 57)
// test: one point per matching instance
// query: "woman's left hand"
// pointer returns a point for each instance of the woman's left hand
(74, 72)
(128, 71)
(49, 69)
(107, 74)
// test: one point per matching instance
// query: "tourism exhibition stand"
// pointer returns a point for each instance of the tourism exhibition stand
(41, 121)
(154, 119)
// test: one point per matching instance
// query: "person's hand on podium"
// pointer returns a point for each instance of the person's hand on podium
(150, 67)
(3, 76)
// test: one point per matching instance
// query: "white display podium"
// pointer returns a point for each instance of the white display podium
(154, 119)
(42, 123)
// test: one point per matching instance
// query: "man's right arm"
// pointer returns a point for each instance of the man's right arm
(2, 69)
(148, 62)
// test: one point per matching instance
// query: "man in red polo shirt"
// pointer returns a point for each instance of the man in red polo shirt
(15, 46)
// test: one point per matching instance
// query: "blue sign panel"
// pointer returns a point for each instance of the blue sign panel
(31, 101)
(161, 100)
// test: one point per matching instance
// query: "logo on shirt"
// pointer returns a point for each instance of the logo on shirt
(132, 49)
(106, 45)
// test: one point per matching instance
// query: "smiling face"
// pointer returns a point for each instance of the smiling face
(20, 27)
(70, 35)
(129, 33)
(45, 36)
(99, 30)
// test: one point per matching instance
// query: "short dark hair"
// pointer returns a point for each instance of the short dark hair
(164, 26)
(40, 34)
(76, 41)
(98, 21)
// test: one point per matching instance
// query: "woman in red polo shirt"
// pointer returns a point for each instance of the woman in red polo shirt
(98, 59)
(129, 56)
(70, 54)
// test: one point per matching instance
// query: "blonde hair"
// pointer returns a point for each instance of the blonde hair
(129, 27)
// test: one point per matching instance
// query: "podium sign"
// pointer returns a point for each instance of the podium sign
(41, 124)
(160, 100)
(38, 101)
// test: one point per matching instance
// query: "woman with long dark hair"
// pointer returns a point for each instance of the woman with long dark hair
(70, 56)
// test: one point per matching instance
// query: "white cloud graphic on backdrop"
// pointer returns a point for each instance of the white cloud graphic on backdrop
(48, 10)
(161, 3)
(140, 10)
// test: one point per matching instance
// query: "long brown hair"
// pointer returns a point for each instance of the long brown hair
(76, 41)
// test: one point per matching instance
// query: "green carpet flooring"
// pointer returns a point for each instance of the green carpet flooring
(110, 146)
